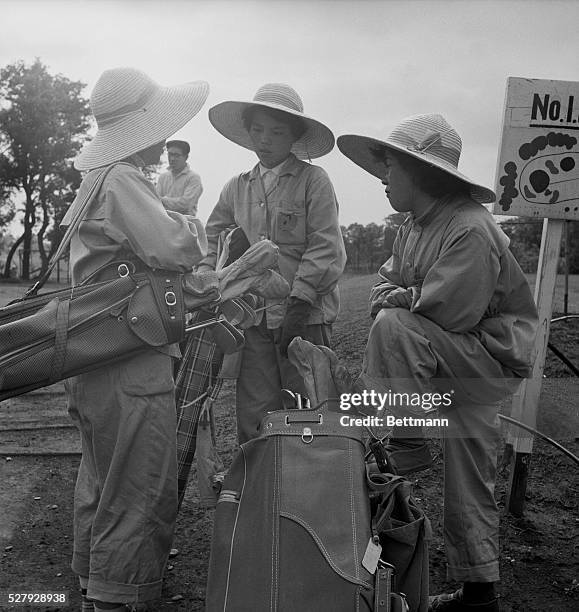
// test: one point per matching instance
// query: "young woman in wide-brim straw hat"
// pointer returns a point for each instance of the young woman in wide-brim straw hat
(133, 112)
(453, 305)
(427, 138)
(126, 495)
(292, 203)
(227, 118)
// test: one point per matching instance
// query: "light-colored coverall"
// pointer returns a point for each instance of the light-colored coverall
(300, 215)
(180, 192)
(125, 502)
(471, 325)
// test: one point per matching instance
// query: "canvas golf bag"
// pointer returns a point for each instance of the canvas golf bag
(293, 525)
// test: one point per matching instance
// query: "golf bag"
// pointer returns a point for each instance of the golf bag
(60, 334)
(293, 528)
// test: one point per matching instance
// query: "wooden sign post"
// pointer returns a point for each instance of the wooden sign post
(537, 176)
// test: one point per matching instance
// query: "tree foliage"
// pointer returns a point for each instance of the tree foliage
(525, 236)
(369, 246)
(43, 120)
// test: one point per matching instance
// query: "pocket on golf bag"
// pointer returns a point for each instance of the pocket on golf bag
(404, 531)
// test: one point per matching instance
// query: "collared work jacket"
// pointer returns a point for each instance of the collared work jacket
(180, 192)
(126, 219)
(456, 261)
(300, 215)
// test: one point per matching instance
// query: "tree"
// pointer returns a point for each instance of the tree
(353, 237)
(43, 120)
(374, 246)
(573, 246)
(525, 236)
(369, 246)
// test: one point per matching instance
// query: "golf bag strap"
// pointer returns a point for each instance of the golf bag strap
(384, 485)
(60, 340)
(114, 269)
(168, 291)
(383, 588)
(75, 222)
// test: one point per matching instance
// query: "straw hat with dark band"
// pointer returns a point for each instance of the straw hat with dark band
(227, 119)
(429, 138)
(133, 113)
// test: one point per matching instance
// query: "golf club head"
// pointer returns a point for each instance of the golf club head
(240, 314)
(251, 300)
(227, 337)
(251, 317)
(233, 311)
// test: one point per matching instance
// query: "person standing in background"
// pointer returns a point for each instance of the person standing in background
(179, 187)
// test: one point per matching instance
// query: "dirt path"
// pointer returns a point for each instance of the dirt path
(22, 436)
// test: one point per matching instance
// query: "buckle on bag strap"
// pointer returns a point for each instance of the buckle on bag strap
(123, 270)
(383, 587)
(168, 291)
(171, 301)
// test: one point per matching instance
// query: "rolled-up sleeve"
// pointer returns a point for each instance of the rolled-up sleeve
(137, 220)
(324, 259)
(458, 288)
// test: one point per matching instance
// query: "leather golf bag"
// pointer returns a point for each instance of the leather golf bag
(292, 524)
(64, 333)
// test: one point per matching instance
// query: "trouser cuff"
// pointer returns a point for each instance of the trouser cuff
(489, 572)
(80, 566)
(113, 592)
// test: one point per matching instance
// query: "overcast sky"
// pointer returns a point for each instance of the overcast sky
(359, 65)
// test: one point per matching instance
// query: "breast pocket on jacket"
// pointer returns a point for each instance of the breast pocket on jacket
(289, 223)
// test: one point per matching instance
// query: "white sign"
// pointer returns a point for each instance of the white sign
(538, 167)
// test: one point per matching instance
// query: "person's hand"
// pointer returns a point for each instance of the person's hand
(400, 297)
(294, 323)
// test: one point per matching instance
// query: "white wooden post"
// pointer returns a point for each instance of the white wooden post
(526, 401)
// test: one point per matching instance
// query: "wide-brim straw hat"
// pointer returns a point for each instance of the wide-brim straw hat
(227, 119)
(133, 112)
(429, 138)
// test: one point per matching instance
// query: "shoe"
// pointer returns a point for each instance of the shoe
(406, 457)
(453, 602)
